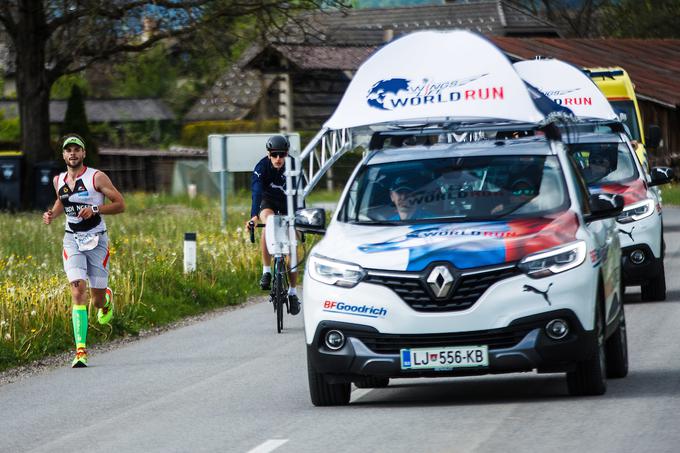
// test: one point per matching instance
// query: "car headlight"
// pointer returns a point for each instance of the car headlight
(636, 211)
(555, 260)
(331, 272)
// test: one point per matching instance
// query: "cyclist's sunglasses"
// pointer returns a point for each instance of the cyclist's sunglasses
(276, 154)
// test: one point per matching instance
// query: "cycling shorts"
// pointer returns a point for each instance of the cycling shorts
(278, 206)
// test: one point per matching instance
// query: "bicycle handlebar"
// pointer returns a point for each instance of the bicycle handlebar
(251, 230)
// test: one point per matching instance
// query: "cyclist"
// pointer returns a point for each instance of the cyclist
(269, 197)
(80, 195)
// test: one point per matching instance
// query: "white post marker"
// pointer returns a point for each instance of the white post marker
(189, 252)
(192, 191)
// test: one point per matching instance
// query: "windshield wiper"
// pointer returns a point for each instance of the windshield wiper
(375, 222)
(515, 208)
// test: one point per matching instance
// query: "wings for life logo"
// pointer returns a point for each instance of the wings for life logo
(392, 94)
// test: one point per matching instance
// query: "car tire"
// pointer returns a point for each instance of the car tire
(617, 351)
(324, 393)
(371, 382)
(654, 290)
(590, 376)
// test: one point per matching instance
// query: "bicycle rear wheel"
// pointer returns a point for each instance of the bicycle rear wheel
(279, 293)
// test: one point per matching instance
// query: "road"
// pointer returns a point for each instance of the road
(231, 384)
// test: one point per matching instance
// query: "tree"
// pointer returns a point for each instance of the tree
(56, 37)
(75, 121)
(643, 19)
(577, 18)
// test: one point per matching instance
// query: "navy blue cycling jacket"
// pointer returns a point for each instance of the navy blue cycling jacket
(267, 182)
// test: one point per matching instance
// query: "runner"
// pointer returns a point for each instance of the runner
(80, 195)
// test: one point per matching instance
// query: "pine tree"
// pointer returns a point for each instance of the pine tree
(75, 122)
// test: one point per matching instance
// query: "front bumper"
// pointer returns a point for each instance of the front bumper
(522, 346)
(638, 274)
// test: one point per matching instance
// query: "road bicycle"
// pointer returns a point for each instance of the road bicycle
(276, 236)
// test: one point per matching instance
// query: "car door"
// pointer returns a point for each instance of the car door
(606, 250)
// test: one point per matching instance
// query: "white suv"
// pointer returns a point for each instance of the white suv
(610, 164)
(467, 258)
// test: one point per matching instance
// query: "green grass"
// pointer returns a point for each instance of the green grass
(671, 194)
(146, 272)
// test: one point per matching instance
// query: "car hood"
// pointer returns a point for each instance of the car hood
(464, 245)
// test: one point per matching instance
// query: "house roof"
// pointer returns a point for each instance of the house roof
(234, 94)
(105, 110)
(325, 57)
(653, 64)
(367, 26)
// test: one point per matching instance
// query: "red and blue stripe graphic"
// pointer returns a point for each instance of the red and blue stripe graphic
(479, 244)
(631, 193)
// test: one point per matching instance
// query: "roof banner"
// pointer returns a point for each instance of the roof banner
(433, 76)
(568, 86)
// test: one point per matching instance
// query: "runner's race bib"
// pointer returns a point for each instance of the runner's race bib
(86, 241)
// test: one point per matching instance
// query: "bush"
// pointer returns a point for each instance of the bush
(10, 129)
(196, 134)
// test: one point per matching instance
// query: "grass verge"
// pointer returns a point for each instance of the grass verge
(150, 287)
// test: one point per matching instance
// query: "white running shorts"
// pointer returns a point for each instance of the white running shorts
(92, 265)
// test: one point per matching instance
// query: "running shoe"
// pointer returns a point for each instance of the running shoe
(105, 314)
(294, 304)
(266, 281)
(80, 361)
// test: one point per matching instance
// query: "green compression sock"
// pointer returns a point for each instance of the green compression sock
(79, 317)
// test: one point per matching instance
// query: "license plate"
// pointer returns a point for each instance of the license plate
(444, 358)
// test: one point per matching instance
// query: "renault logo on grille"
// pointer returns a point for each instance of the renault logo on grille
(440, 281)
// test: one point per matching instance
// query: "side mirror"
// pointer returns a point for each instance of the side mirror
(661, 175)
(311, 220)
(604, 206)
(653, 136)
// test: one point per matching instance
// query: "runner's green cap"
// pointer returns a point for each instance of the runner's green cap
(74, 140)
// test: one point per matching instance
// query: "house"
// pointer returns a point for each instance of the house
(300, 78)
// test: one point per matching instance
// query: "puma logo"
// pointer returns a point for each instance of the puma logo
(609, 198)
(628, 233)
(257, 174)
(529, 288)
(281, 187)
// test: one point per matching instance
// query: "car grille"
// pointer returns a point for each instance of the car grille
(469, 289)
(382, 343)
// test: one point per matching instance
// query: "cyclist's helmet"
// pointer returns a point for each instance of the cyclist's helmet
(278, 143)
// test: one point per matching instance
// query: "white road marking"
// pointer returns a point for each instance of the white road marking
(357, 394)
(270, 445)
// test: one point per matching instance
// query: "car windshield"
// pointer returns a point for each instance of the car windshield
(456, 189)
(603, 163)
(626, 113)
